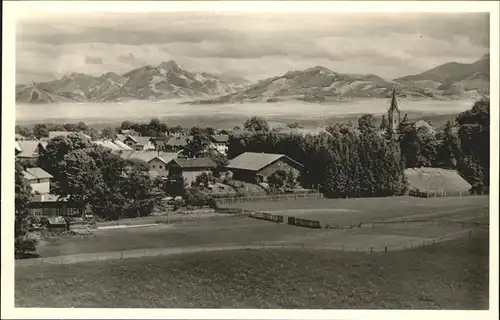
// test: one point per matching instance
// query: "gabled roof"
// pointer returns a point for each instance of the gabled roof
(28, 148)
(142, 140)
(130, 137)
(121, 137)
(196, 163)
(108, 144)
(220, 138)
(165, 157)
(148, 155)
(36, 173)
(253, 161)
(122, 145)
(53, 134)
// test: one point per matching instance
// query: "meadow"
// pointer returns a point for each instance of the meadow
(229, 230)
(447, 275)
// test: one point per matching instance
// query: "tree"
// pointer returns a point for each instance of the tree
(81, 126)
(196, 146)
(203, 180)
(277, 179)
(384, 126)
(294, 125)
(365, 123)
(40, 131)
(71, 127)
(80, 179)
(256, 124)
(23, 191)
(108, 133)
(140, 192)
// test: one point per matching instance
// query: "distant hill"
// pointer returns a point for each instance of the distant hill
(167, 80)
(454, 79)
(320, 84)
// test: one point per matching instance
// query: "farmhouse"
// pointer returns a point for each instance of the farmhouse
(139, 143)
(257, 167)
(39, 180)
(159, 163)
(219, 142)
(160, 143)
(28, 149)
(189, 169)
(49, 205)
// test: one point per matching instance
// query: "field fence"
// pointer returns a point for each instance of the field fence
(445, 193)
(271, 197)
(172, 251)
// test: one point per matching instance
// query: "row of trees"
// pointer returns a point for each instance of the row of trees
(349, 162)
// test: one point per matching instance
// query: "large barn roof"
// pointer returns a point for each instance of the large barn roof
(253, 161)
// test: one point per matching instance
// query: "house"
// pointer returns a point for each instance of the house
(146, 156)
(39, 180)
(49, 205)
(160, 143)
(219, 142)
(28, 149)
(159, 163)
(189, 169)
(257, 167)
(53, 134)
(139, 143)
(177, 143)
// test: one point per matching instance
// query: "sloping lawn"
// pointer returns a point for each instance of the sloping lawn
(449, 275)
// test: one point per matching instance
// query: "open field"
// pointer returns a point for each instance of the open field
(228, 116)
(240, 230)
(351, 211)
(447, 275)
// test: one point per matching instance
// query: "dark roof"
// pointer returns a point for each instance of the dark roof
(196, 163)
(255, 161)
(220, 138)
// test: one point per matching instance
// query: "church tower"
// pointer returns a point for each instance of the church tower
(393, 114)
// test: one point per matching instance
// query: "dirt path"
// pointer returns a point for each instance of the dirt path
(127, 254)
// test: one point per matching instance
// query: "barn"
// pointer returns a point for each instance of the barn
(257, 167)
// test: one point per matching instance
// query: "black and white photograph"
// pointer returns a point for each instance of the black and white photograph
(279, 159)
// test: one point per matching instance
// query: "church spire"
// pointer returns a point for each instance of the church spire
(394, 102)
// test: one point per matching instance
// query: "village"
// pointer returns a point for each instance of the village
(201, 161)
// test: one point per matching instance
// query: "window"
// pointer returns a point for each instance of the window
(154, 166)
(161, 167)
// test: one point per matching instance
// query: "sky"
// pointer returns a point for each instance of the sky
(250, 45)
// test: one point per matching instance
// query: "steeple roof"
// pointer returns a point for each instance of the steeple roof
(394, 102)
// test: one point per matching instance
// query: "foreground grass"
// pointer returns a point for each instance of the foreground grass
(449, 275)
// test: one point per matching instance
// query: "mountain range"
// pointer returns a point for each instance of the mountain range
(318, 84)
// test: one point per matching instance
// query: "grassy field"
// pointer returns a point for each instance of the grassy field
(349, 211)
(448, 275)
(236, 230)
